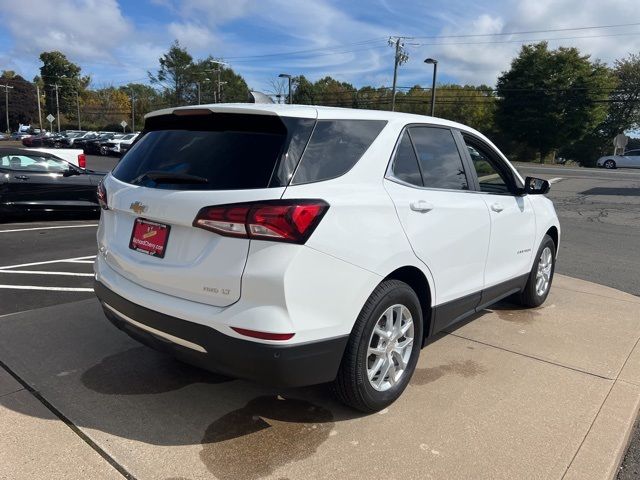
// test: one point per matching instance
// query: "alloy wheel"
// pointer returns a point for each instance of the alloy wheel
(543, 275)
(390, 347)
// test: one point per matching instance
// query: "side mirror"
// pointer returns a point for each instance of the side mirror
(70, 172)
(536, 186)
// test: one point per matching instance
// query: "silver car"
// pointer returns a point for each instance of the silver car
(630, 159)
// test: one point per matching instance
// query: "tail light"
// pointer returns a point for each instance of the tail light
(82, 160)
(290, 221)
(102, 196)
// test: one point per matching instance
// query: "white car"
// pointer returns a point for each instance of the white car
(298, 245)
(74, 156)
(630, 159)
(113, 145)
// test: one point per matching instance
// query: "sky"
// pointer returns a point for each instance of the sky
(117, 42)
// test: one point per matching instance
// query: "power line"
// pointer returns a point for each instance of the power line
(554, 30)
(527, 40)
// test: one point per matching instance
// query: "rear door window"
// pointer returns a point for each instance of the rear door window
(405, 163)
(335, 147)
(439, 158)
(224, 151)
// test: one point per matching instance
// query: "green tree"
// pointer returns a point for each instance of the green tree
(551, 98)
(23, 106)
(175, 74)
(217, 83)
(303, 91)
(624, 108)
(145, 99)
(56, 69)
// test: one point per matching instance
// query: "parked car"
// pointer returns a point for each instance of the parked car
(72, 138)
(72, 155)
(19, 135)
(299, 245)
(32, 181)
(81, 141)
(99, 145)
(113, 145)
(36, 140)
(125, 145)
(630, 159)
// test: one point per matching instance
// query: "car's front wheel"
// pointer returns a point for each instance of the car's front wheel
(538, 284)
(383, 349)
(609, 164)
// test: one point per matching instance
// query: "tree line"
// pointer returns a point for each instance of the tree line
(551, 102)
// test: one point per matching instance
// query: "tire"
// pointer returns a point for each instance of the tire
(609, 164)
(103, 151)
(352, 385)
(531, 296)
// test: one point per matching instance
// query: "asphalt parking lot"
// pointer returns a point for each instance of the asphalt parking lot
(122, 398)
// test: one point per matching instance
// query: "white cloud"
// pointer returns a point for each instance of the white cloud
(476, 61)
(193, 37)
(82, 29)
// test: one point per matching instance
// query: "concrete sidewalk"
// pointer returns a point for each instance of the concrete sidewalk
(545, 393)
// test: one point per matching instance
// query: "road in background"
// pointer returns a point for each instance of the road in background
(599, 214)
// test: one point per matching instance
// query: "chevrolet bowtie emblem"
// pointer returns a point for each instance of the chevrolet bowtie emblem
(138, 207)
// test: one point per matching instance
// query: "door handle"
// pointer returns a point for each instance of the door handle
(21, 177)
(496, 207)
(421, 206)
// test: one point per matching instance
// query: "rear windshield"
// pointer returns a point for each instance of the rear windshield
(224, 152)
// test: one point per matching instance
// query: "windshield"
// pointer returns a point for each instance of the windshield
(33, 163)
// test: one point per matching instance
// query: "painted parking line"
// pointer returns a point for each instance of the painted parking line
(12, 269)
(46, 272)
(555, 180)
(55, 289)
(62, 260)
(47, 228)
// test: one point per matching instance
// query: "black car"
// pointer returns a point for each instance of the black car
(82, 142)
(98, 145)
(37, 182)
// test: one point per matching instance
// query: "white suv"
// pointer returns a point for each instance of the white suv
(296, 245)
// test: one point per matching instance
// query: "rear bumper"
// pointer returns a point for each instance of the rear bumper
(287, 365)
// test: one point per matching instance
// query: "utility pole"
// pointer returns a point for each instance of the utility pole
(78, 105)
(6, 103)
(198, 83)
(56, 86)
(400, 57)
(39, 110)
(133, 112)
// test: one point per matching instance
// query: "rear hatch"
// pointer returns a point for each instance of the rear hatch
(186, 161)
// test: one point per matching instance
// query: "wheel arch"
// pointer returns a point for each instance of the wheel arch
(417, 280)
(555, 236)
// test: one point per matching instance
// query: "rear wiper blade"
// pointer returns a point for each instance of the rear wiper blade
(171, 177)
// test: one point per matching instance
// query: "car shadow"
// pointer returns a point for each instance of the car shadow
(610, 191)
(103, 381)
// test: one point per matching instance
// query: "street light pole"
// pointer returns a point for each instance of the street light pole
(433, 83)
(6, 103)
(288, 77)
